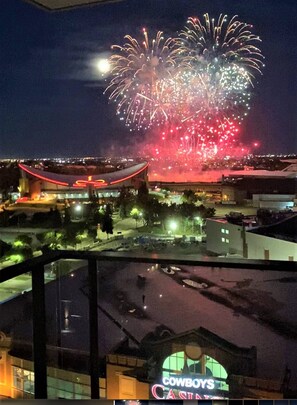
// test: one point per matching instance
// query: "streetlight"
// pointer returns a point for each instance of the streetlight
(136, 214)
(141, 215)
(173, 226)
(199, 220)
(78, 208)
(78, 212)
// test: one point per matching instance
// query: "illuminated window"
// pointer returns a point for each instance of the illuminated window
(179, 363)
(227, 231)
(227, 240)
(223, 230)
(174, 363)
(217, 371)
(23, 380)
(28, 381)
(223, 239)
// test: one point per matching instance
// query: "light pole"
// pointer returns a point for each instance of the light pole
(141, 217)
(136, 214)
(78, 208)
(173, 226)
(199, 221)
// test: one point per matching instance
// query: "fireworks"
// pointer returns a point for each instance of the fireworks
(223, 43)
(194, 89)
(142, 80)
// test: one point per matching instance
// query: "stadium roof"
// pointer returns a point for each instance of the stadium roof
(98, 180)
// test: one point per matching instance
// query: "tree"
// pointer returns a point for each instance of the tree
(71, 231)
(67, 216)
(56, 218)
(92, 233)
(25, 239)
(189, 196)
(4, 218)
(98, 217)
(4, 248)
(18, 220)
(143, 193)
(205, 212)
(107, 224)
(264, 216)
(51, 239)
(41, 219)
(123, 211)
(166, 191)
(151, 211)
(108, 209)
(136, 214)
(81, 236)
(187, 212)
(9, 180)
(125, 202)
(21, 248)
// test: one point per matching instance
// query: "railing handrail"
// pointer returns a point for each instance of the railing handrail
(36, 267)
(26, 266)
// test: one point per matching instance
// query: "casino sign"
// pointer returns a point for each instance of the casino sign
(185, 378)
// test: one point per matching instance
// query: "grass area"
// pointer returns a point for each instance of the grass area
(158, 196)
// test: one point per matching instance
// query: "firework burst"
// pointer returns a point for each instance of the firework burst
(142, 83)
(222, 43)
(194, 90)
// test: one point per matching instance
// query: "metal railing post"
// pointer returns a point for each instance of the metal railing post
(39, 333)
(93, 328)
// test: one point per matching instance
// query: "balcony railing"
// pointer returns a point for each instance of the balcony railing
(36, 267)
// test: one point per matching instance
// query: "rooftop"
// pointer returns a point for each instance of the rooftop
(285, 229)
(81, 181)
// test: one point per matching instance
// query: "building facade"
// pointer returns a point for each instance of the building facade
(37, 183)
(194, 365)
(224, 238)
(247, 241)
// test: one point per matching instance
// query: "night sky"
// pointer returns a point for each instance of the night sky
(51, 96)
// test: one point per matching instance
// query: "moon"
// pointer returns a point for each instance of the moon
(103, 66)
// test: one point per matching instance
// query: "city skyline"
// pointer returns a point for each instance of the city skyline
(51, 90)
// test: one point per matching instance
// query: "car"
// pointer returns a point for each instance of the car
(167, 270)
(194, 284)
(175, 268)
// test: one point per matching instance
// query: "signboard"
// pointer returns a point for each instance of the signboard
(185, 387)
